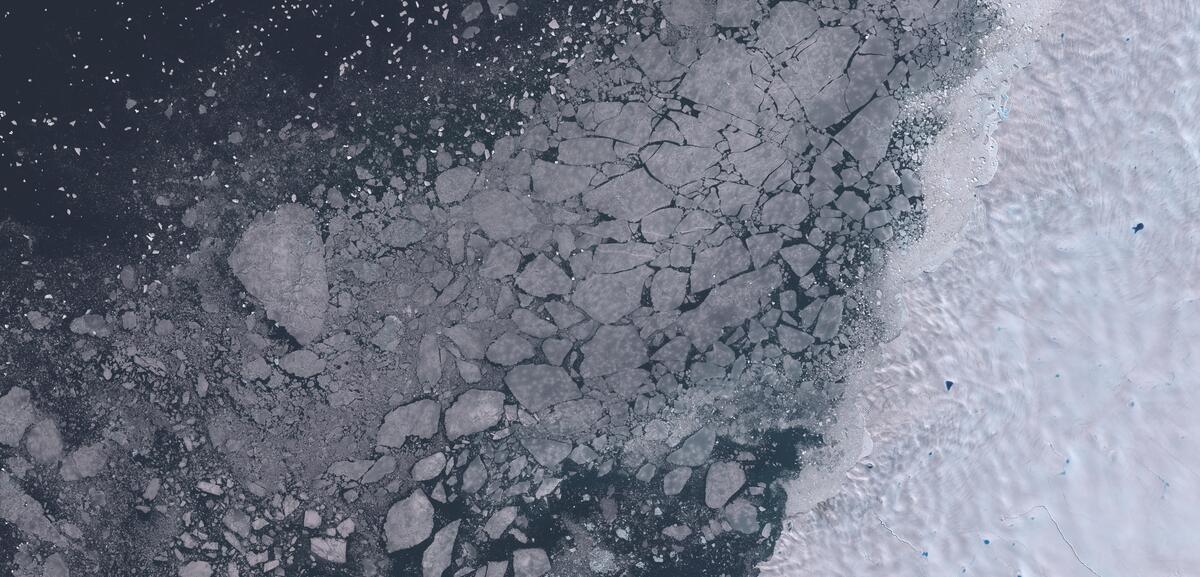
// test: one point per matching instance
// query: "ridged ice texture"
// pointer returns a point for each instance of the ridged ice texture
(1069, 444)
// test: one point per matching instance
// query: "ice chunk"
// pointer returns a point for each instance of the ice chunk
(556, 350)
(668, 289)
(495, 569)
(353, 469)
(467, 339)
(586, 150)
(475, 476)
(655, 60)
(675, 480)
(402, 232)
(564, 315)
(539, 386)
(474, 411)
(280, 259)
(573, 416)
(614, 348)
(40, 321)
(429, 467)
(453, 185)
(530, 563)
(742, 516)
(16, 414)
(302, 363)
(693, 13)
(43, 441)
(501, 261)
(695, 450)
(695, 224)
(84, 462)
(409, 522)
(90, 324)
(429, 360)
(548, 452)
(25, 513)
(784, 208)
(583, 454)
(788, 24)
(723, 480)
(558, 182)
(416, 419)
(616, 257)
(717, 264)
(529, 323)
(609, 297)
(56, 566)
(760, 162)
(877, 219)
(793, 340)
(763, 247)
(329, 549)
(866, 136)
(729, 304)
(196, 569)
(498, 523)
(800, 258)
(825, 58)
(472, 11)
(733, 196)
(852, 205)
(677, 532)
(388, 337)
(736, 13)
(542, 278)
(380, 469)
(437, 556)
(501, 214)
(724, 78)
(509, 350)
(678, 165)
(830, 318)
(238, 521)
(646, 473)
(660, 224)
(630, 196)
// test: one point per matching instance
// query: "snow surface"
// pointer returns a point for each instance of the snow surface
(1068, 442)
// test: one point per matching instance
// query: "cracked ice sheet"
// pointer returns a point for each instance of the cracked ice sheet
(1071, 337)
(726, 79)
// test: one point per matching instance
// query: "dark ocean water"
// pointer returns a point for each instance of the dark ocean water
(96, 77)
